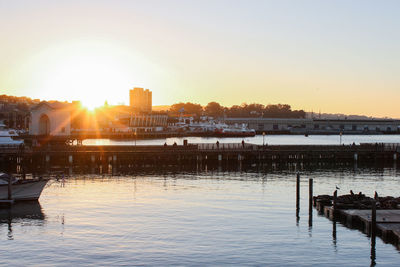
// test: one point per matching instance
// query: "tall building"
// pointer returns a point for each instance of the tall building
(140, 99)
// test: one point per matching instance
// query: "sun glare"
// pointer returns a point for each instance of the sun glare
(88, 72)
(90, 105)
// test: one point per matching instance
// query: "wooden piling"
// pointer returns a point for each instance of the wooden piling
(373, 219)
(9, 193)
(334, 199)
(310, 201)
(373, 232)
(334, 211)
(297, 194)
(310, 194)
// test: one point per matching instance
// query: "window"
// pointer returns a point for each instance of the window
(316, 126)
(275, 127)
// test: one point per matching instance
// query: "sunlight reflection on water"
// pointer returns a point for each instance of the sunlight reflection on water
(258, 139)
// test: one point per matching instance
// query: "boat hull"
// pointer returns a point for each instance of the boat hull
(24, 190)
(235, 135)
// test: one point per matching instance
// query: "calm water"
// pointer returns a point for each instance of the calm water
(258, 139)
(207, 218)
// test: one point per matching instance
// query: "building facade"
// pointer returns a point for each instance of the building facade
(140, 99)
(319, 126)
(50, 119)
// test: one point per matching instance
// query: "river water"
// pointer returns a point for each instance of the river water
(192, 218)
(259, 139)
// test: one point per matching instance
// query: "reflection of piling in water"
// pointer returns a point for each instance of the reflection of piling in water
(373, 218)
(28, 211)
(22, 210)
(6, 203)
(334, 239)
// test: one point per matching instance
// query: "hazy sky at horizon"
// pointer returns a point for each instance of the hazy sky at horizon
(328, 56)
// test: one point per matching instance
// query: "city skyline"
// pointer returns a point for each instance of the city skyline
(336, 57)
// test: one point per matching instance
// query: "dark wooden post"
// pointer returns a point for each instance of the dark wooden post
(373, 222)
(310, 200)
(334, 199)
(334, 209)
(297, 194)
(373, 233)
(310, 194)
(9, 188)
(334, 239)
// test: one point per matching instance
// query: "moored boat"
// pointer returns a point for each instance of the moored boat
(22, 190)
(235, 132)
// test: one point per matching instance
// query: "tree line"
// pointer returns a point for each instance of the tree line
(255, 110)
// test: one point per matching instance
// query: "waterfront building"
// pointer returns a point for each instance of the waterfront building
(319, 126)
(140, 99)
(51, 118)
(143, 122)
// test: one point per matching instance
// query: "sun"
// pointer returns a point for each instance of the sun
(91, 104)
(89, 73)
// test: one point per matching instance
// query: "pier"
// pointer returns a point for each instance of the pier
(379, 216)
(89, 158)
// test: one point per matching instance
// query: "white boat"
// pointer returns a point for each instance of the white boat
(22, 190)
(235, 131)
(6, 138)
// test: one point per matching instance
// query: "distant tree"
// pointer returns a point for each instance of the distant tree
(214, 109)
(194, 109)
(245, 110)
(234, 111)
(187, 108)
(259, 110)
(175, 108)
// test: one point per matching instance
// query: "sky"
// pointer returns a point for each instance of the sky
(322, 56)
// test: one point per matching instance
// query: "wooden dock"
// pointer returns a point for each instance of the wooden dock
(36, 159)
(386, 221)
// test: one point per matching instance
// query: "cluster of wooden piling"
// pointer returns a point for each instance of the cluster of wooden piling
(310, 199)
(378, 216)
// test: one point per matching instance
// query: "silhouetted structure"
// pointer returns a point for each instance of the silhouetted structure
(140, 99)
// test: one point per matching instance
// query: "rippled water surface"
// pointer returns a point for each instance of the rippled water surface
(207, 218)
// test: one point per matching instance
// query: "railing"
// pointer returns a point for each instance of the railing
(392, 147)
(226, 146)
(10, 148)
(395, 147)
(388, 147)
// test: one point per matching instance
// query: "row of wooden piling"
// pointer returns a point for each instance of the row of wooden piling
(310, 197)
(333, 213)
(365, 217)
